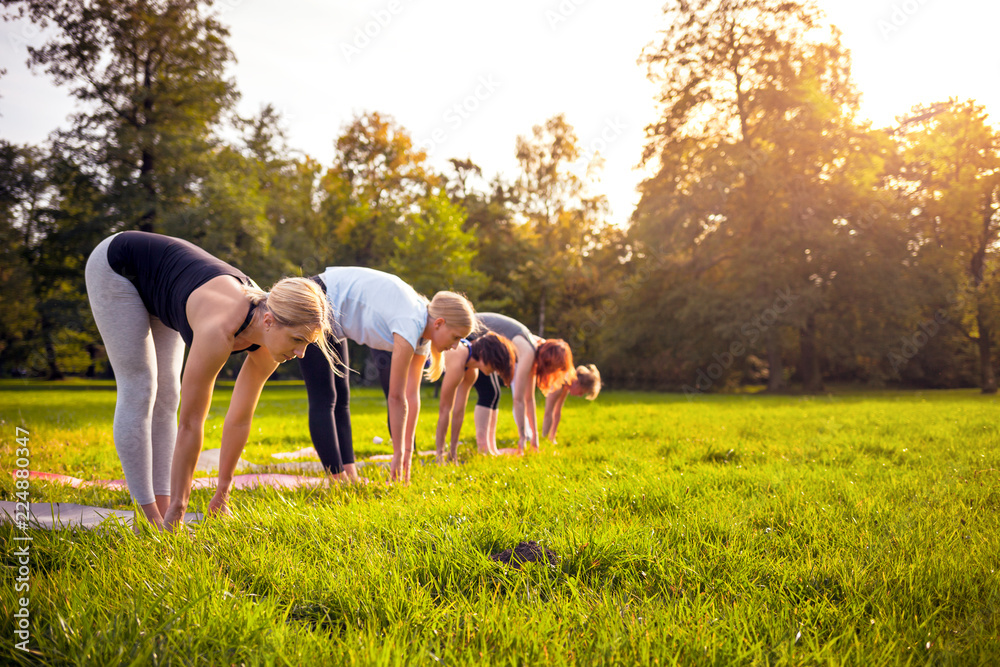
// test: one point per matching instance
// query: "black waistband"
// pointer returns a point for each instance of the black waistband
(319, 281)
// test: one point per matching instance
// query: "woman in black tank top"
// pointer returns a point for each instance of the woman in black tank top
(487, 354)
(153, 294)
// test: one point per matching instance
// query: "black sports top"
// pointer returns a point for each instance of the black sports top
(165, 271)
(507, 327)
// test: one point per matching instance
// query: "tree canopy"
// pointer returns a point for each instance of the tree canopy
(779, 239)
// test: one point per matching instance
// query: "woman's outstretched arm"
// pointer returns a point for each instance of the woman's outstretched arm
(256, 369)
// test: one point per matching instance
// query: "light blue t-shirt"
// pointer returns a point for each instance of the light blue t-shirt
(369, 306)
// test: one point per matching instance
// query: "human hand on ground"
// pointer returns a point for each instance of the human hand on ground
(395, 466)
(219, 505)
(173, 520)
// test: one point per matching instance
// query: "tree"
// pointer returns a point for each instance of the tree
(229, 217)
(21, 185)
(758, 159)
(433, 252)
(952, 156)
(52, 214)
(374, 185)
(301, 241)
(151, 73)
(502, 245)
(558, 211)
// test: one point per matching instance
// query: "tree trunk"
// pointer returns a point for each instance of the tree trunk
(988, 379)
(776, 372)
(92, 353)
(812, 382)
(55, 373)
(541, 315)
(147, 221)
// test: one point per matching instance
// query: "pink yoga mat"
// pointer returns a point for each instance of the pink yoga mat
(263, 479)
(239, 481)
(75, 482)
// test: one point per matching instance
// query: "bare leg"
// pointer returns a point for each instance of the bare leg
(482, 417)
(351, 473)
(494, 414)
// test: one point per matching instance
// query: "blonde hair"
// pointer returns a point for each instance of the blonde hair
(298, 302)
(590, 381)
(457, 313)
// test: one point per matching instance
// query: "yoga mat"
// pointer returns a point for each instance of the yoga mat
(305, 452)
(53, 516)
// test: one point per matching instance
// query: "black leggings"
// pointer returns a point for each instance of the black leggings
(383, 363)
(329, 406)
(488, 390)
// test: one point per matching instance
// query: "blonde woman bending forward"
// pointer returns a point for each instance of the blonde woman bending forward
(151, 295)
(383, 312)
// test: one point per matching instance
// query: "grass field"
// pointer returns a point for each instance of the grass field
(861, 528)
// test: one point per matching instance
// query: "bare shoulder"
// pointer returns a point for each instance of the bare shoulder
(454, 366)
(455, 357)
(219, 304)
(525, 350)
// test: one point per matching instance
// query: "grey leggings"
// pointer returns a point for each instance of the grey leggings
(146, 357)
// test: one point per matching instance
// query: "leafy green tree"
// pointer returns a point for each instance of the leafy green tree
(559, 213)
(433, 251)
(21, 186)
(229, 217)
(377, 179)
(77, 220)
(53, 215)
(872, 300)
(592, 296)
(502, 245)
(952, 158)
(301, 242)
(151, 76)
(382, 206)
(758, 159)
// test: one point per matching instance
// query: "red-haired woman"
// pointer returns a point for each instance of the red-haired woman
(545, 365)
(487, 354)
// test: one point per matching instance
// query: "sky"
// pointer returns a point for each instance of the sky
(467, 78)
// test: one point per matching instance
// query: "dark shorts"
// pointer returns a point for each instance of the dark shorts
(488, 390)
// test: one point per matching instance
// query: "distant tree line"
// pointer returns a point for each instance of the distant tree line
(780, 240)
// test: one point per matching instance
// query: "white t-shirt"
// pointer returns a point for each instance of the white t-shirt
(370, 306)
